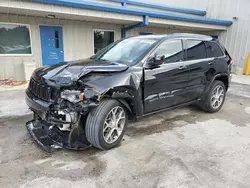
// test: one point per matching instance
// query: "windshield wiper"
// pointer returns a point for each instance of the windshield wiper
(103, 59)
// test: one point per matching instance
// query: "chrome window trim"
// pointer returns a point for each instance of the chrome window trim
(143, 61)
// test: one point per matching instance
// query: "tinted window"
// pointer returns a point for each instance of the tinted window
(213, 49)
(195, 50)
(172, 50)
(15, 39)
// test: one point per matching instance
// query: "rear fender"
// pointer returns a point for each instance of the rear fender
(211, 83)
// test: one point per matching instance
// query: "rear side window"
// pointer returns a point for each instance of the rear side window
(195, 50)
(213, 49)
(171, 50)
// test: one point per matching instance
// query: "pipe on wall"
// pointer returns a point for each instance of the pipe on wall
(162, 7)
(144, 23)
(134, 11)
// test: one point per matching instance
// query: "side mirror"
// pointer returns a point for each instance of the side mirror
(155, 61)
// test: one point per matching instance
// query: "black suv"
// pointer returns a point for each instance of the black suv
(89, 102)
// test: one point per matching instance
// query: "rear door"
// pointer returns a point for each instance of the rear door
(165, 85)
(198, 64)
(218, 60)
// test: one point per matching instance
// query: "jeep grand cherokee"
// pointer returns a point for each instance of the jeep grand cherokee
(89, 102)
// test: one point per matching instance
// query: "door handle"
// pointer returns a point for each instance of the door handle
(211, 63)
(182, 67)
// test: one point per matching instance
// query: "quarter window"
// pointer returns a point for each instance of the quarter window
(15, 39)
(213, 49)
(171, 50)
(195, 50)
(102, 39)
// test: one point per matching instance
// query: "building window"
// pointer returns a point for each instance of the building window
(57, 39)
(15, 39)
(102, 39)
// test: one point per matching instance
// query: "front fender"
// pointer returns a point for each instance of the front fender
(122, 86)
(131, 98)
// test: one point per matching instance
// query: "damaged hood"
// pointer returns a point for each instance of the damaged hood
(68, 72)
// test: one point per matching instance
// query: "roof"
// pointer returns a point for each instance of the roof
(150, 36)
(177, 35)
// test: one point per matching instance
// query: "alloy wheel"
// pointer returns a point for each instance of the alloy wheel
(217, 98)
(114, 124)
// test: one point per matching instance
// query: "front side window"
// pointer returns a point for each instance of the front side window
(171, 50)
(195, 50)
(213, 49)
(15, 39)
(102, 39)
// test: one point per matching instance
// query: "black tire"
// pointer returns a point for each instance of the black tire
(95, 122)
(206, 103)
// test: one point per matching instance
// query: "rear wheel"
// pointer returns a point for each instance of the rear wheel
(106, 124)
(215, 98)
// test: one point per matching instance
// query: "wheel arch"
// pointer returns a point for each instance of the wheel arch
(128, 97)
(224, 78)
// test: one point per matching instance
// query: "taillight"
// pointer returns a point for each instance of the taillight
(230, 60)
(230, 63)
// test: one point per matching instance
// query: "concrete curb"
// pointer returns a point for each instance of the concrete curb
(13, 88)
(241, 79)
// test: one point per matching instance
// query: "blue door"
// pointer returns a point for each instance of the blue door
(52, 45)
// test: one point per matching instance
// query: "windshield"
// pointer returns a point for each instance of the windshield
(102, 51)
(127, 51)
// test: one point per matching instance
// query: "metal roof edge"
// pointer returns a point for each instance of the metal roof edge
(134, 11)
(163, 7)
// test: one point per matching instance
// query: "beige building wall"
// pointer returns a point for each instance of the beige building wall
(237, 38)
(77, 37)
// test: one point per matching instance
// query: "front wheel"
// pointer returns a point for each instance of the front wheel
(215, 98)
(106, 124)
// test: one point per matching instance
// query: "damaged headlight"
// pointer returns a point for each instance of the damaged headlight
(73, 96)
(91, 93)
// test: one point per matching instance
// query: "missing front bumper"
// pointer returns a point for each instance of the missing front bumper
(49, 138)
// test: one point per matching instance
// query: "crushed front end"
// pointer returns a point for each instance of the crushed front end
(59, 116)
(61, 97)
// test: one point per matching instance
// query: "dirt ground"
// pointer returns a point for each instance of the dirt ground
(179, 148)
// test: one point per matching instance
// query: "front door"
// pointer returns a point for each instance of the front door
(51, 44)
(165, 86)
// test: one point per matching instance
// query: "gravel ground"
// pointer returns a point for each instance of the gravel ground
(179, 148)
